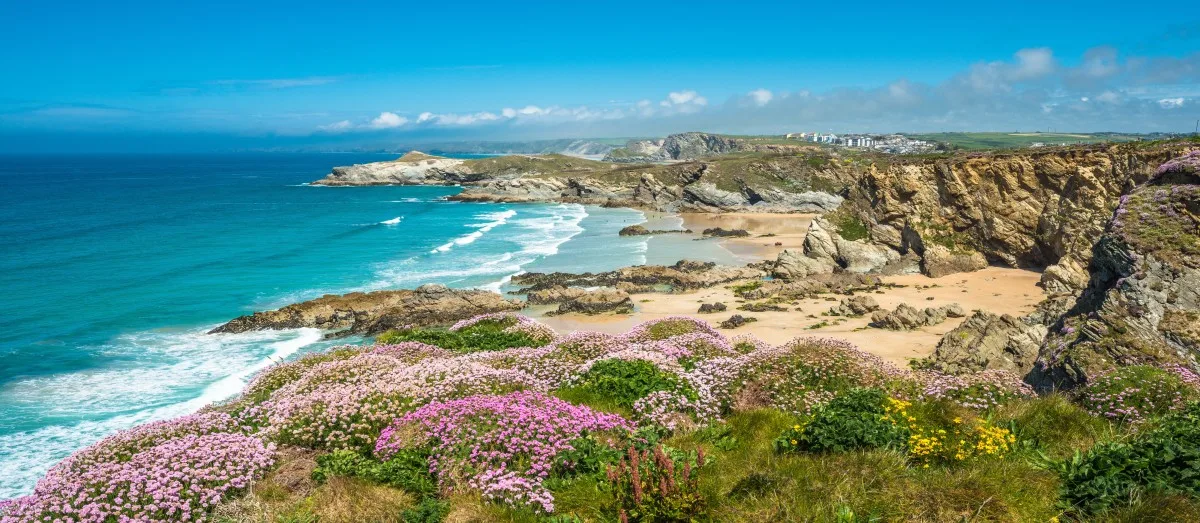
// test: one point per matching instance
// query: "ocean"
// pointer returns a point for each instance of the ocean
(113, 268)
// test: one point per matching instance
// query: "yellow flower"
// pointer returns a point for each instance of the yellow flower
(793, 442)
(796, 427)
(958, 420)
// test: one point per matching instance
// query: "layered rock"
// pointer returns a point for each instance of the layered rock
(683, 146)
(597, 301)
(374, 312)
(855, 306)
(906, 317)
(989, 341)
(684, 275)
(638, 230)
(414, 168)
(1142, 303)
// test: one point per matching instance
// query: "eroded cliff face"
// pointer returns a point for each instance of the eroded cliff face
(1026, 209)
(1142, 304)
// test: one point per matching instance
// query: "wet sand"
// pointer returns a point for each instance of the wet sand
(995, 289)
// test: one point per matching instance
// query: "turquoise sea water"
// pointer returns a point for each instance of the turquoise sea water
(112, 269)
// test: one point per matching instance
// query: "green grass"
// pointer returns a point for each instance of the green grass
(985, 141)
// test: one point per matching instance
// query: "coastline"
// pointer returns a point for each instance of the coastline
(999, 290)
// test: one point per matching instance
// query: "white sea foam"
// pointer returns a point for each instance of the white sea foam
(497, 219)
(393, 221)
(173, 373)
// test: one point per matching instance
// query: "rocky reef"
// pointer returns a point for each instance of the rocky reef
(375, 312)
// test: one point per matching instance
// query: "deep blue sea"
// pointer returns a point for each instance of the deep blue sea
(112, 268)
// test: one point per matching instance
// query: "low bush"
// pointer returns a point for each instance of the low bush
(1164, 459)
(857, 419)
(407, 470)
(624, 382)
(484, 337)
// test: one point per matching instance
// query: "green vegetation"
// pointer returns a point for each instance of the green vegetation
(1164, 460)
(849, 226)
(986, 141)
(623, 382)
(488, 335)
(854, 420)
(534, 164)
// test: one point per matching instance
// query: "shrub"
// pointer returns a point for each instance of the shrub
(407, 469)
(488, 332)
(807, 372)
(1136, 393)
(857, 419)
(651, 486)
(429, 510)
(624, 382)
(1162, 460)
(485, 337)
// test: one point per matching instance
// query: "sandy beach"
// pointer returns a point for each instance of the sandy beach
(995, 289)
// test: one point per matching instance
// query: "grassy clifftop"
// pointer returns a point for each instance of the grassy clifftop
(498, 418)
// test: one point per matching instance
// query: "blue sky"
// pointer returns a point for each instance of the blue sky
(217, 74)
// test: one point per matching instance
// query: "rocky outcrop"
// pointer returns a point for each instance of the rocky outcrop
(855, 306)
(683, 146)
(906, 317)
(599, 301)
(374, 312)
(989, 341)
(638, 230)
(938, 261)
(1142, 302)
(709, 308)
(684, 275)
(737, 320)
(1021, 209)
(836, 283)
(413, 168)
(725, 233)
(825, 251)
(555, 294)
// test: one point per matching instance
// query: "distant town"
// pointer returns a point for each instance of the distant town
(891, 143)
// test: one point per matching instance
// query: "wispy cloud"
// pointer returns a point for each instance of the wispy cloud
(276, 83)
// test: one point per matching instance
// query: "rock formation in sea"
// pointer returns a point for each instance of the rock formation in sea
(375, 312)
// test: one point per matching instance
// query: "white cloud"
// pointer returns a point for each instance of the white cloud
(1030, 90)
(336, 127)
(1034, 63)
(761, 97)
(388, 120)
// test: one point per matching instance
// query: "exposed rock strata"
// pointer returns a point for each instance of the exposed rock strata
(684, 275)
(906, 317)
(374, 312)
(597, 301)
(989, 341)
(1142, 303)
(855, 306)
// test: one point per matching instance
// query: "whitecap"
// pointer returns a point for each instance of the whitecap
(174, 373)
(393, 221)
